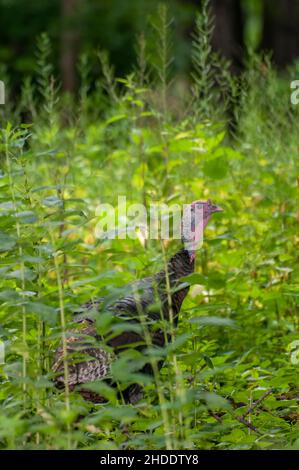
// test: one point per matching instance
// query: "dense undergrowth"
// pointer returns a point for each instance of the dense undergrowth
(230, 379)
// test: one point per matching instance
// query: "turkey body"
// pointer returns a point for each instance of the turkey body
(90, 356)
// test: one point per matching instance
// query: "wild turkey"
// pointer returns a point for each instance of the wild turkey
(148, 299)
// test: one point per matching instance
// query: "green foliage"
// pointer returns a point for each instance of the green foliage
(228, 380)
(203, 61)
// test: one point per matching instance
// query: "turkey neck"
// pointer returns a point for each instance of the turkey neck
(180, 265)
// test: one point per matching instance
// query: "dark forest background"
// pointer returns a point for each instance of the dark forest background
(77, 26)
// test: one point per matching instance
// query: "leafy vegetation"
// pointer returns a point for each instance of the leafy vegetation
(228, 381)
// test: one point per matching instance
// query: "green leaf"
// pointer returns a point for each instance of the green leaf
(45, 312)
(26, 273)
(206, 320)
(115, 119)
(26, 217)
(52, 201)
(7, 242)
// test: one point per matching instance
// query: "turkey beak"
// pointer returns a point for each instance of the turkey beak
(217, 208)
